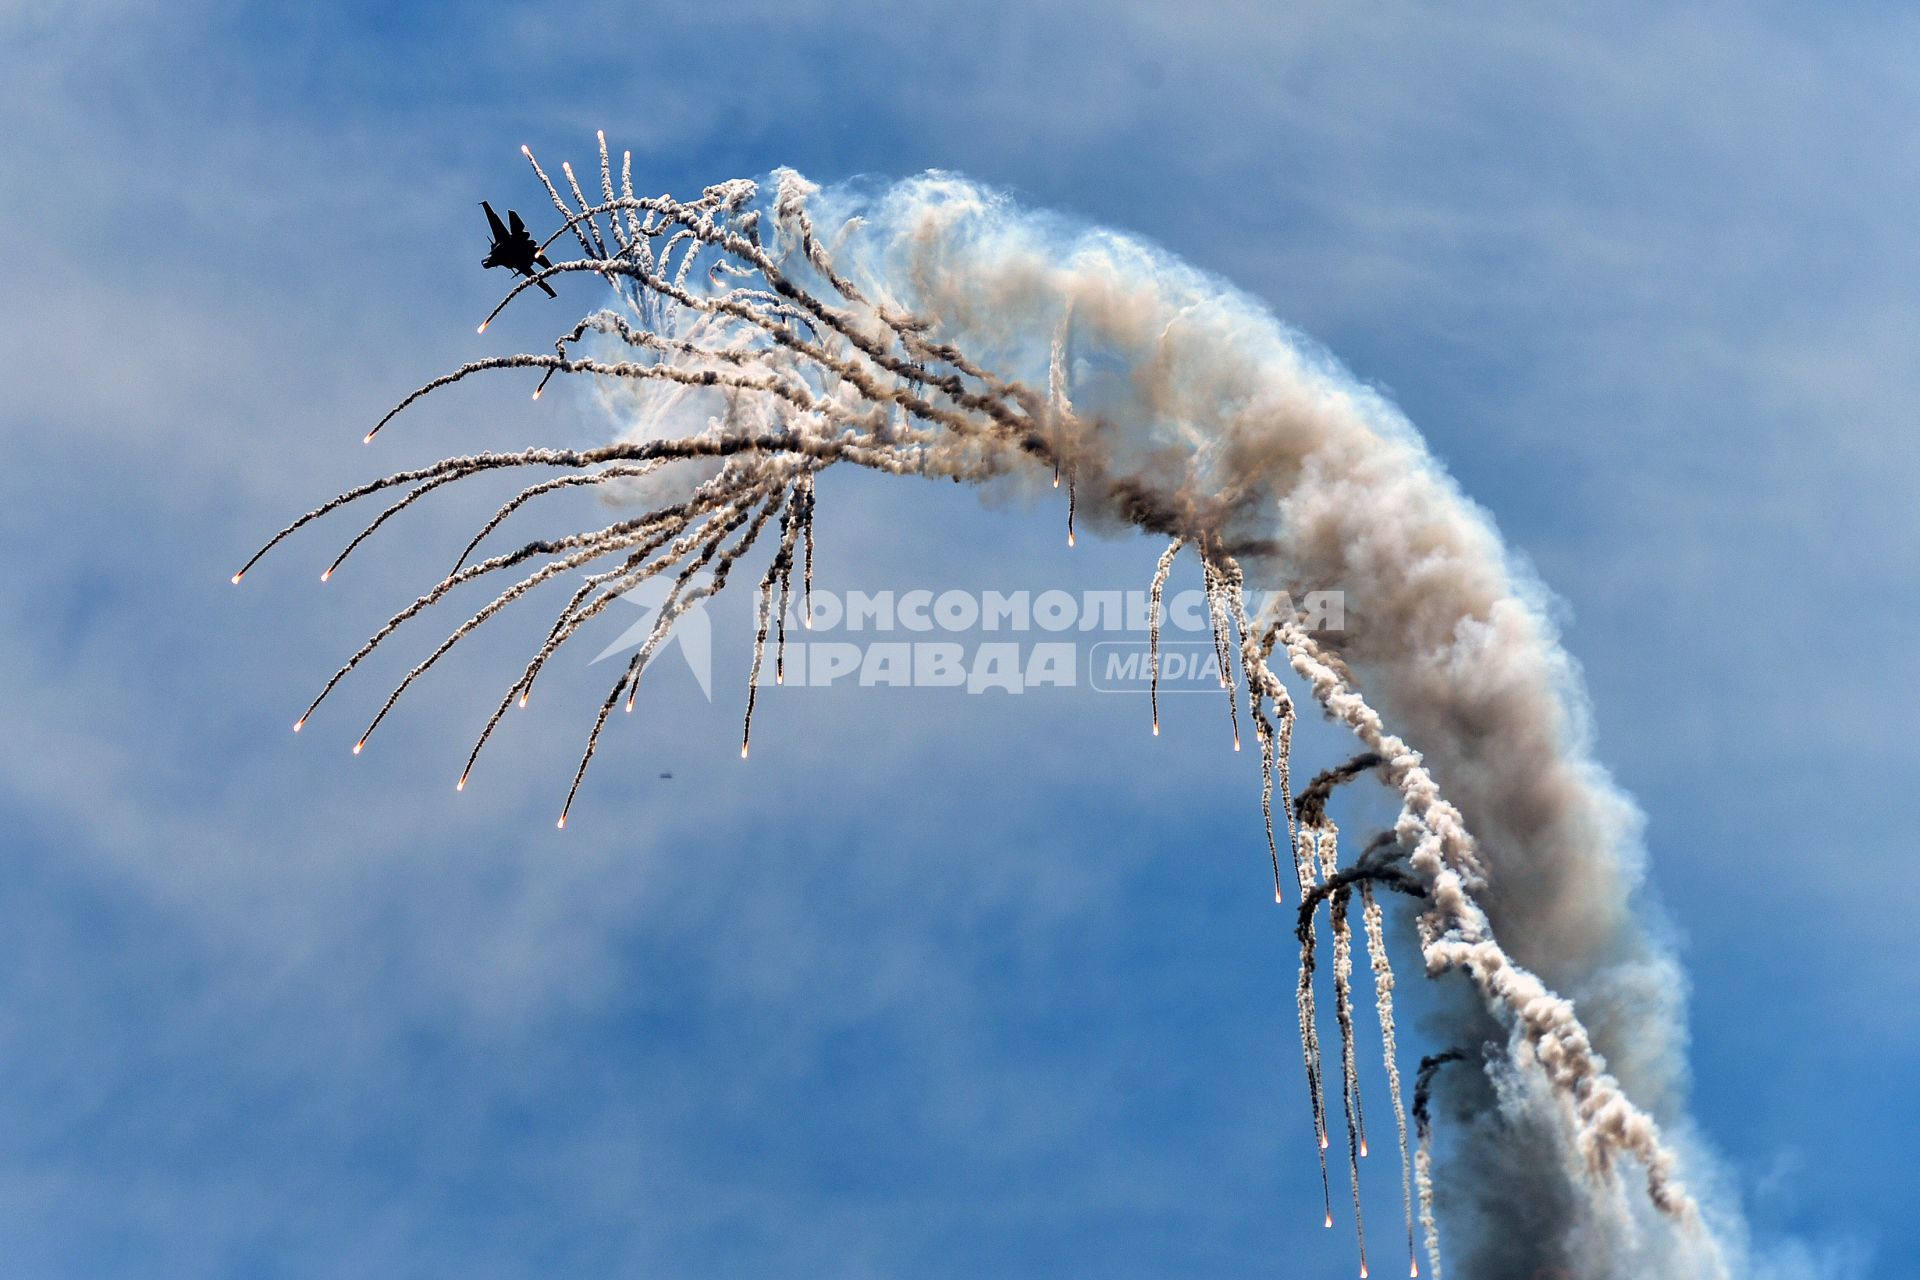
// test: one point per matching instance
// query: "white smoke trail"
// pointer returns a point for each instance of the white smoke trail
(1218, 610)
(1306, 867)
(1374, 921)
(1197, 416)
(1349, 1068)
(1283, 452)
(1154, 596)
(1423, 1155)
(1335, 888)
(774, 578)
(1263, 687)
(1444, 854)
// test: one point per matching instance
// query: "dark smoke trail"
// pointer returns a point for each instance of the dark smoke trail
(1423, 1159)
(1311, 805)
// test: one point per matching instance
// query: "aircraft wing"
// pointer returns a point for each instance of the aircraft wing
(517, 227)
(493, 219)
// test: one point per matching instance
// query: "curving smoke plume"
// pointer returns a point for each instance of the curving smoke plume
(933, 328)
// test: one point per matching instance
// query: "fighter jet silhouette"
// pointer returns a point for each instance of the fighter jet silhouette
(513, 247)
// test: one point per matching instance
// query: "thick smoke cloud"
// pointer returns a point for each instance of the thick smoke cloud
(1197, 410)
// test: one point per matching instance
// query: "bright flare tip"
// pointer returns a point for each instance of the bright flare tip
(235, 579)
(525, 150)
(299, 724)
(326, 575)
(1363, 1148)
(743, 751)
(536, 393)
(358, 745)
(1069, 539)
(462, 784)
(1278, 897)
(1329, 1222)
(483, 326)
(562, 824)
(367, 438)
(1323, 1142)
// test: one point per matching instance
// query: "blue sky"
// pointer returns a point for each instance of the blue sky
(934, 985)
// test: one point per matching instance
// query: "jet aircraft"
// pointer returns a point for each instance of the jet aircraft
(513, 248)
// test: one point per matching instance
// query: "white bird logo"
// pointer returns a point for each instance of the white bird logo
(692, 630)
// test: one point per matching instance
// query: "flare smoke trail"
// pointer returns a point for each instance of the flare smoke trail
(1374, 921)
(1322, 843)
(1310, 806)
(1349, 1068)
(934, 329)
(1381, 862)
(1306, 863)
(1423, 1157)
